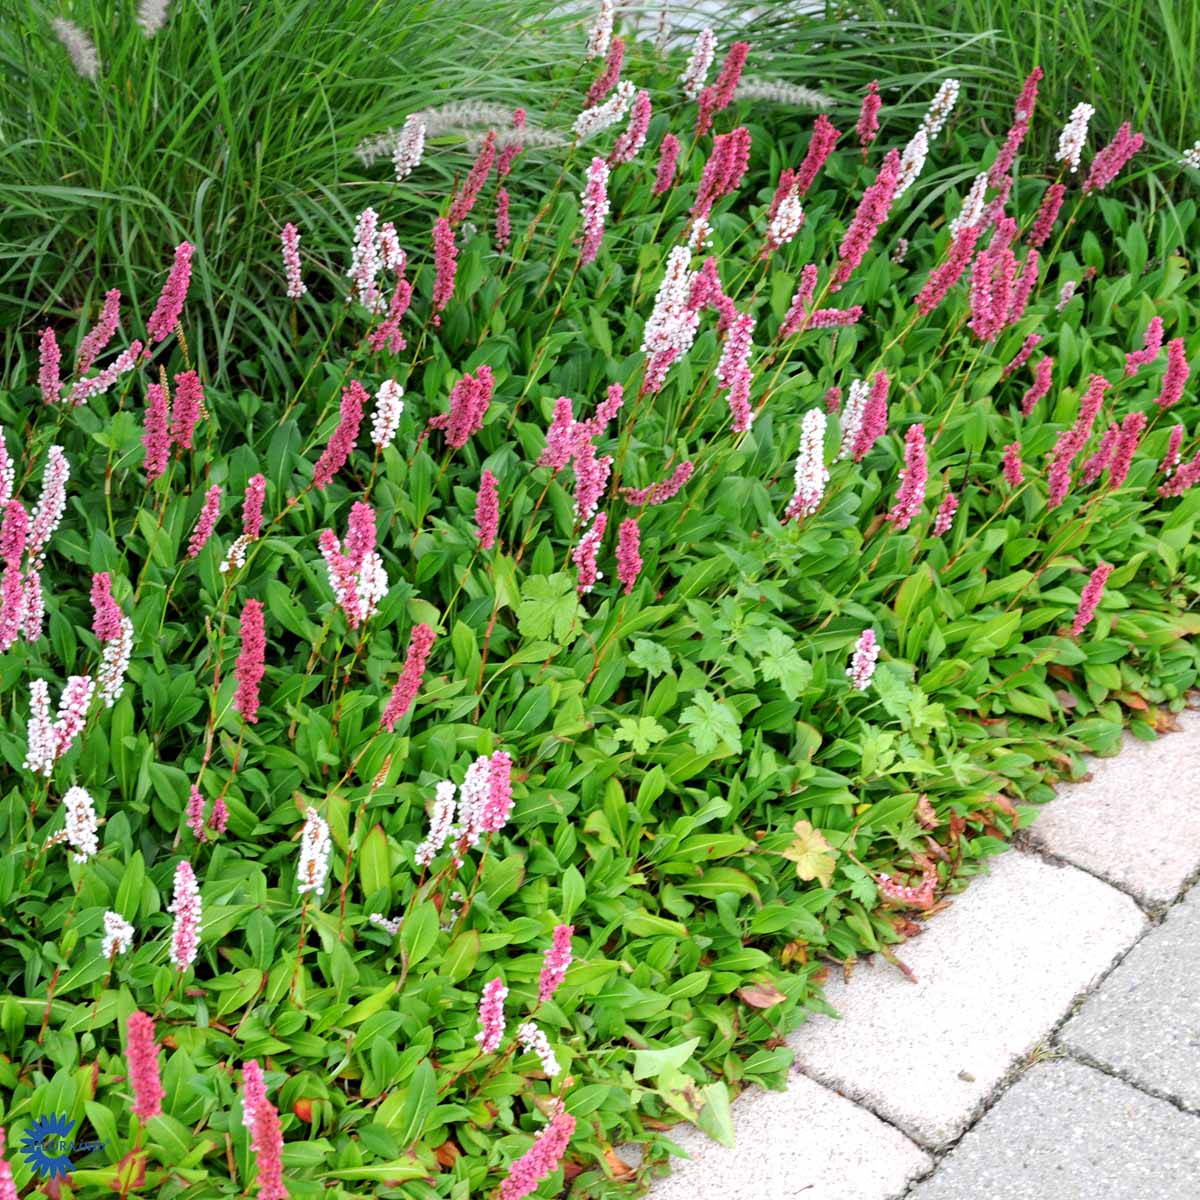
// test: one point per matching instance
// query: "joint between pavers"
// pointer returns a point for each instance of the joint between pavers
(1025, 841)
(1087, 1060)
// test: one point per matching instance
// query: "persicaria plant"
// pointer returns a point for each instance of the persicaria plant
(667, 568)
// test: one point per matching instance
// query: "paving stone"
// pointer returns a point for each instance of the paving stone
(1066, 1132)
(994, 973)
(1137, 823)
(1144, 1020)
(808, 1143)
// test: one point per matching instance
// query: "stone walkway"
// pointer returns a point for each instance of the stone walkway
(1050, 1046)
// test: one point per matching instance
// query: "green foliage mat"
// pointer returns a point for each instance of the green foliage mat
(698, 788)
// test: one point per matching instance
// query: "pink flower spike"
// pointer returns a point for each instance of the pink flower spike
(446, 263)
(797, 316)
(497, 806)
(8, 1189)
(251, 661)
(945, 514)
(594, 209)
(252, 507)
(420, 642)
(733, 371)
(629, 143)
(1043, 373)
(862, 664)
(659, 493)
(1095, 466)
(607, 79)
(1107, 164)
(49, 360)
(1021, 357)
(629, 558)
(503, 222)
(266, 1140)
(718, 95)
(944, 276)
(206, 521)
(1171, 458)
(185, 904)
(170, 301)
(541, 1159)
(872, 211)
(1090, 599)
(195, 813)
(290, 238)
(106, 613)
(867, 128)
(97, 385)
(724, 170)
(820, 146)
(1151, 344)
(833, 399)
(835, 318)
(186, 410)
(1020, 127)
(476, 178)
(668, 159)
(512, 147)
(141, 1057)
(1047, 214)
(1176, 376)
(1125, 448)
(560, 437)
(341, 443)
(14, 533)
(584, 554)
(491, 1016)
(874, 417)
(218, 819)
(254, 1092)
(156, 439)
(555, 963)
(101, 333)
(1014, 475)
(911, 494)
(469, 401)
(487, 510)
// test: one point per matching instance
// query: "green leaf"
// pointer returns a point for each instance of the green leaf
(375, 862)
(712, 723)
(650, 657)
(781, 661)
(655, 1062)
(548, 606)
(419, 1101)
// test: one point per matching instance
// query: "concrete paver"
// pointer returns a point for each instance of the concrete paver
(1064, 1131)
(1143, 1022)
(807, 1143)
(1127, 824)
(994, 973)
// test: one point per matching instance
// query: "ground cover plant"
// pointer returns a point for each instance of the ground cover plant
(668, 577)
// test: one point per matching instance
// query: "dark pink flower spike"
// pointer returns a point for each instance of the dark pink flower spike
(420, 643)
(1089, 601)
(170, 301)
(251, 661)
(867, 128)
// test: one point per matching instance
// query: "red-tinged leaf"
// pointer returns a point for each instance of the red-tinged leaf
(924, 812)
(1132, 700)
(762, 995)
(131, 1172)
(617, 1165)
